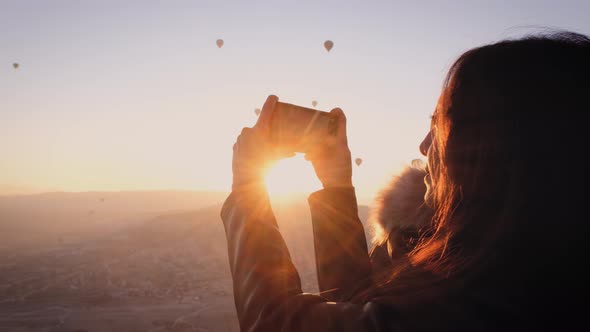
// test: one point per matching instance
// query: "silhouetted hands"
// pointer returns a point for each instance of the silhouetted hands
(253, 151)
(331, 159)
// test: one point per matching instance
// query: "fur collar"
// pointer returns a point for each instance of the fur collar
(400, 204)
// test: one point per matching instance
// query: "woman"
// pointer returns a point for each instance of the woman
(507, 243)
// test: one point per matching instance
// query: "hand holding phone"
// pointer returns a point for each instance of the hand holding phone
(286, 128)
(331, 159)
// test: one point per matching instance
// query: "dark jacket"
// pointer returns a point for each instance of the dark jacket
(268, 295)
(267, 288)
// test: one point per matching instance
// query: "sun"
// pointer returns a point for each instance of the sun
(292, 176)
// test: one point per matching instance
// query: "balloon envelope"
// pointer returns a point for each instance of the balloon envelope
(358, 161)
(257, 111)
(328, 44)
(15, 65)
(219, 43)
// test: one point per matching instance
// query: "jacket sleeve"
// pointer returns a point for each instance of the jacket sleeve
(342, 258)
(267, 288)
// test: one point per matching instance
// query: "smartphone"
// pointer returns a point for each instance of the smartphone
(296, 128)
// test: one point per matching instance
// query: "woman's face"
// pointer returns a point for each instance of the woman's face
(427, 150)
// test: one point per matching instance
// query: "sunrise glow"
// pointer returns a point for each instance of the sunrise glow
(291, 177)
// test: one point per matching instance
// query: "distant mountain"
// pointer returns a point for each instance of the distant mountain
(60, 216)
(63, 216)
(16, 189)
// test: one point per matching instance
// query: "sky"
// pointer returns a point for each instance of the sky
(135, 95)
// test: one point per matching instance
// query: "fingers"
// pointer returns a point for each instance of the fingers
(278, 154)
(244, 133)
(243, 136)
(252, 142)
(341, 123)
(263, 121)
(330, 143)
(310, 156)
(318, 152)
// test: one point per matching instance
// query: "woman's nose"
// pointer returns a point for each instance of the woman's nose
(426, 142)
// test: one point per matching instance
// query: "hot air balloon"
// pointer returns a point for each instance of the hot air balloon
(219, 43)
(15, 65)
(328, 44)
(358, 161)
(314, 103)
(257, 111)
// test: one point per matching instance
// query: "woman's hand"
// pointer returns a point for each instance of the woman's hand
(253, 151)
(331, 160)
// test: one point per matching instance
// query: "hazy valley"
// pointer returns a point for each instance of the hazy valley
(127, 261)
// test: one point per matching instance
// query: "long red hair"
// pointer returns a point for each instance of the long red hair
(511, 116)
